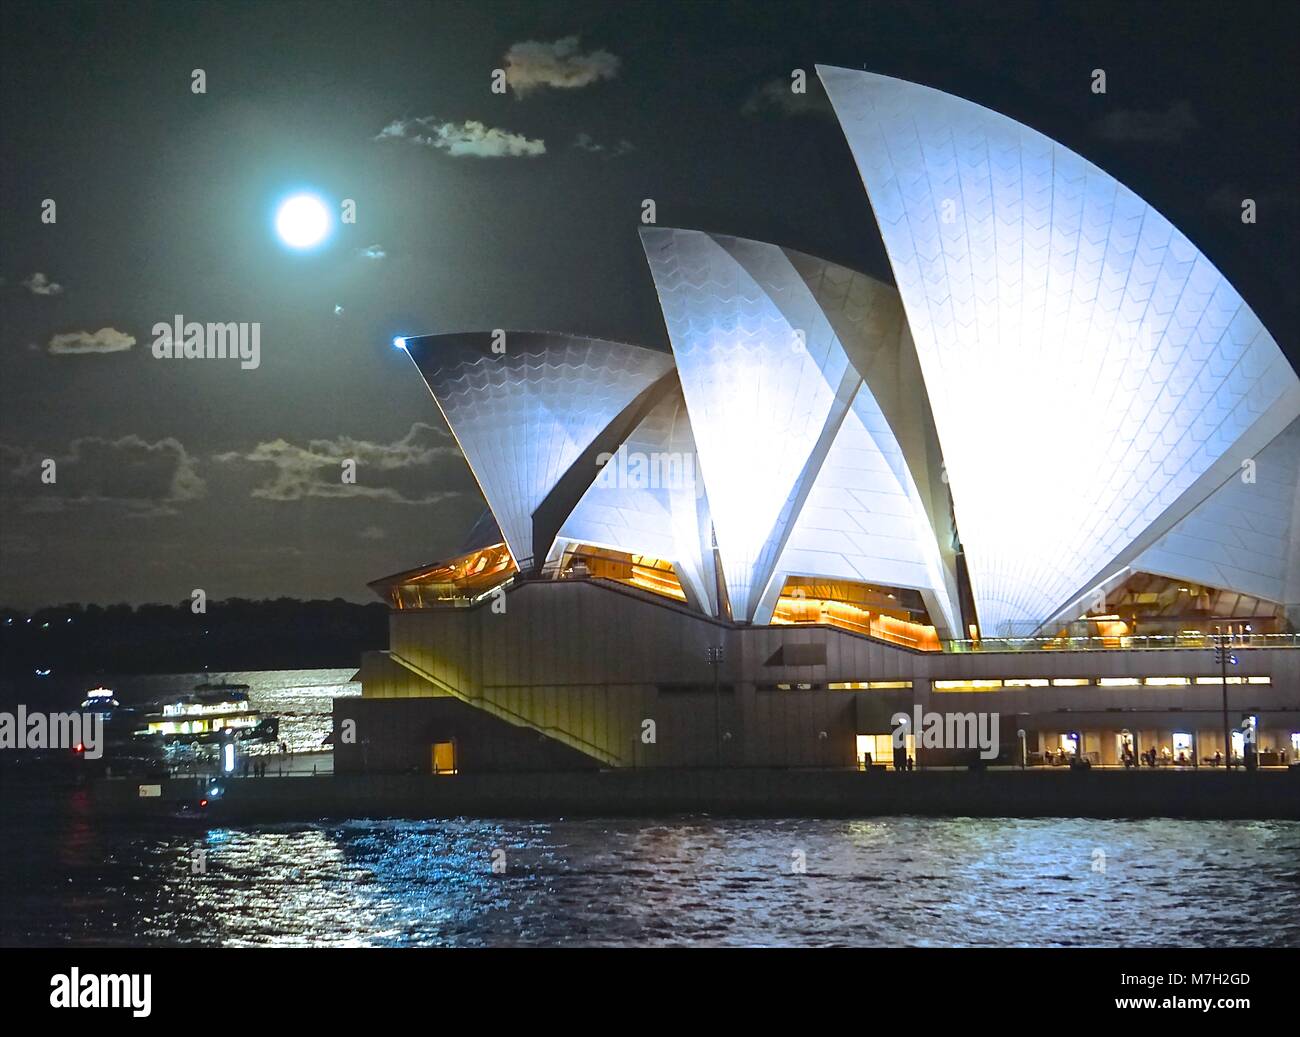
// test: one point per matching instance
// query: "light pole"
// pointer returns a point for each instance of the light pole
(715, 660)
(1222, 657)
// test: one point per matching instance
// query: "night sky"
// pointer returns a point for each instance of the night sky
(481, 210)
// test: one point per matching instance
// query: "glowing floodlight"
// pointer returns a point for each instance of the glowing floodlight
(302, 221)
(399, 342)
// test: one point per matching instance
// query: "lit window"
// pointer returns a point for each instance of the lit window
(444, 757)
(1235, 680)
(1026, 682)
(967, 685)
(869, 685)
(1118, 682)
(1165, 682)
(1070, 682)
(880, 748)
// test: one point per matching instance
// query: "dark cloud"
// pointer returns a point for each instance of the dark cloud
(1148, 126)
(559, 65)
(777, 97)
(146, 479)
(585, 142)
(39, 284)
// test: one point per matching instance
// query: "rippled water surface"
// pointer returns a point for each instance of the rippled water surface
(66, 877)
(687, 881)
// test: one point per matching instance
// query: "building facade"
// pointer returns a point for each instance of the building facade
(1049, 481)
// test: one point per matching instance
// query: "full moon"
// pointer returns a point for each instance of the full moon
(302, 221)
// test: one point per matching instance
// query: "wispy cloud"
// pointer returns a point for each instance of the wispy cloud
(560, 65)
(396, 472)
(39, 284)
(585, 142)
(777, 97)
(105, 340)
(459, 139)
(1148, 126)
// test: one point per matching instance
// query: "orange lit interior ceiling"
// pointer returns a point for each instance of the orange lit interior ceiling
(1150, 605)
(889, 613)
(454, 582)
(649, 574)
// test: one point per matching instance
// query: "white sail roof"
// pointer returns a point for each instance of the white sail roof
(1093, 377)
(524, 416)
(1246, 536)
(784, 423)
(649, 499)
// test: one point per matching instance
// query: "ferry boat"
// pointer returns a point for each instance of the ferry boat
(118, 719)
(100, 700)
(211, 713)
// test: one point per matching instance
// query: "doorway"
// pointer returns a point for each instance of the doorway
(444, 757)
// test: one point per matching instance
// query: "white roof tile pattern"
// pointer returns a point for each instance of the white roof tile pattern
(650, 500)
(1243, 537)
(1087, 366)
(772, 395)
(524, 416)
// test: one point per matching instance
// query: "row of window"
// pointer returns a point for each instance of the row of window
(1079, 682)
(999, 683)
(840, 686)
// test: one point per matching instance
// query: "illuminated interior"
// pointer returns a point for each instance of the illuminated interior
(1159, 606)
(648, 574)
(889, 613)
(880, 749)
(455, 582)
(444, 757)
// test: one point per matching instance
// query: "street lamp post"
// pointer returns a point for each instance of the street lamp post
(1223, 658)
(715, 660)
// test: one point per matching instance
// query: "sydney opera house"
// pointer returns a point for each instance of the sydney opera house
(1044, 474)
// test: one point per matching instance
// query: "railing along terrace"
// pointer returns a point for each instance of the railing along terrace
(1130, 642)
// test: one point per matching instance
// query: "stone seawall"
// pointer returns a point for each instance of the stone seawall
(739, 792)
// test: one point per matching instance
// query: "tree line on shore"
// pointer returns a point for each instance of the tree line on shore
(234, 634)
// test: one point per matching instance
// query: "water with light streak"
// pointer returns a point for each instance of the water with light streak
(69, 878)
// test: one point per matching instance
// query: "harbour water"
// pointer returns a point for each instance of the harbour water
(688, 881)
(70, 878)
